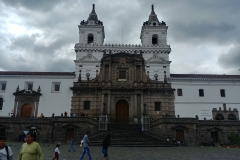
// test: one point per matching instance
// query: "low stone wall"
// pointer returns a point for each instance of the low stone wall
(49, 129)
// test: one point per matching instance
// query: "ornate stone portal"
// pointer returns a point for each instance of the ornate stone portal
(122, 84)
(26, 103)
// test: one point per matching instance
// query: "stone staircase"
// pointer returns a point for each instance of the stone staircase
(127, 136)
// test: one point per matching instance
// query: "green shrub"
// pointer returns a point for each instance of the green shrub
(234, 138)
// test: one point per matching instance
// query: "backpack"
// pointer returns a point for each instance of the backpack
(6, 148)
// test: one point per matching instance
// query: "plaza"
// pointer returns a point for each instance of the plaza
(138, 153)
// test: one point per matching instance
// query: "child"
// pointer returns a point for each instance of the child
(57, 152)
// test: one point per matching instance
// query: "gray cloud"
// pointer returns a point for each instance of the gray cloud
(42, 5)
(193, 25)
(231, 59)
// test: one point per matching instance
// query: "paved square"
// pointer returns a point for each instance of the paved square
(139, 153)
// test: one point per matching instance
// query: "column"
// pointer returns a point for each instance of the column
(35, 106)
(102, 103)
(141, 72)
(109, 107)
(141, 104)
(135, 71)
(36, 110)
(109, 72)
(135, 105)
(16, 109)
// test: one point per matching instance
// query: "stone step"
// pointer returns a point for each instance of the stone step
(128, 135)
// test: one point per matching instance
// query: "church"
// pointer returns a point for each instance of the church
(122, 81)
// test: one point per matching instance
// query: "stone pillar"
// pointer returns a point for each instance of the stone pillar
(109, 107)
(141, 70)
(102, 103)
(36, 111)
(109, 72)
(141, 103)
(15, 108)
(135, 71)
(135, 105)
(224, 106)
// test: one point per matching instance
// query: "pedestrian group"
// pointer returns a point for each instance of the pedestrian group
(31, 150)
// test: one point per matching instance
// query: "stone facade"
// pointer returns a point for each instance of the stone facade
(225, 114)
(122, 77)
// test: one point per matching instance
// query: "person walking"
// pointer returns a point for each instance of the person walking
(86, 147)
(71, 145)
(57, 152)
(30, 150)
(5, 151)
(105, 145)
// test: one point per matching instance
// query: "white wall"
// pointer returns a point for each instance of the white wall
(50, 102)
(190, 104)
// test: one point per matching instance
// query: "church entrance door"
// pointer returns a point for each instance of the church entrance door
(122, 112)
(26, 111)
(180, 135)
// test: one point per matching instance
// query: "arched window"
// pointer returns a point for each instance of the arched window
(219, 117)
(90, 38)
(1, 103)
(155, 39)
(232, 117)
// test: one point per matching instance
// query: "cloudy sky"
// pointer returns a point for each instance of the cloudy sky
(39, 35)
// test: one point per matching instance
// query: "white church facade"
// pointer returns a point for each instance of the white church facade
(122, 80)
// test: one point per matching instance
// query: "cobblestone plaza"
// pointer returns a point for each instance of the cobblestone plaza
(139, 153)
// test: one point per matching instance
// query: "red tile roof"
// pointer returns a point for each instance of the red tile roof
(214, 76)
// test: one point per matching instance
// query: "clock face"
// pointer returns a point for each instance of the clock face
(89, 56)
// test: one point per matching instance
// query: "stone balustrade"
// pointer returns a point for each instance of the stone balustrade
(48, 120)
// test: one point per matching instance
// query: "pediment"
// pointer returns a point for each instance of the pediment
(27, 93)
(88, 58)
(157, 58)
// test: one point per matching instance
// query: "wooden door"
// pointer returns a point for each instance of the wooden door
(69, 134)
(180, 135)
(26, 111)
(214, 136)
(122, 112)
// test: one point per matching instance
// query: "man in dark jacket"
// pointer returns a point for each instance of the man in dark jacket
(106, 143)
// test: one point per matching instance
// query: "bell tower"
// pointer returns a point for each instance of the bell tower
(92, 30)
(153, 32)
(154, 40)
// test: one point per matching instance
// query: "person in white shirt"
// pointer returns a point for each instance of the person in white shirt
(57, 152)
(5, 151)
(86, 147)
